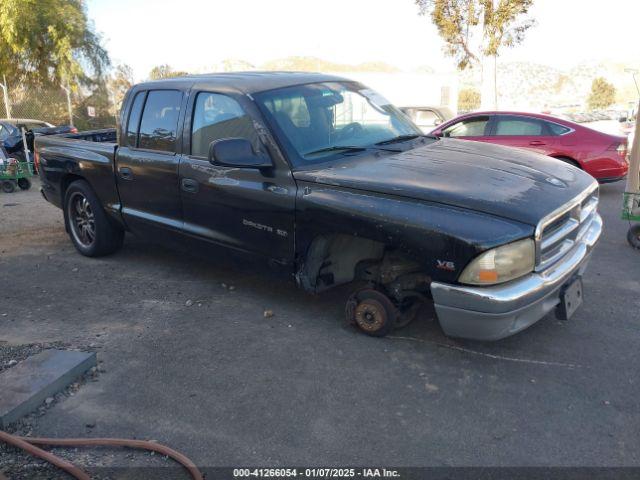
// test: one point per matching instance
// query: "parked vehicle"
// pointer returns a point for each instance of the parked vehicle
(428, 117)
(13, 173)
(327, 182)
(11, 133)
(602, 155)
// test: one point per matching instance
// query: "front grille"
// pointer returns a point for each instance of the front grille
(559, 231)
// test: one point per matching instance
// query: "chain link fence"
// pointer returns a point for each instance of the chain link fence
(84, 109)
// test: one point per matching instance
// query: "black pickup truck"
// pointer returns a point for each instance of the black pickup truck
(324, 179)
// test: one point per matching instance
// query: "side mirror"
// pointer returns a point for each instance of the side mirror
(236, 152)
(437, 122)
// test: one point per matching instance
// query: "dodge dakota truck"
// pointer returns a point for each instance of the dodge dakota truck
(322, 178)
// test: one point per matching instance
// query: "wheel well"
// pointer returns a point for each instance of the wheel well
(336, 259)
(331, 260)
(66, 181)
(64, 185)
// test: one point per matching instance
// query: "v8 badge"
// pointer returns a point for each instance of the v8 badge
(446, 265)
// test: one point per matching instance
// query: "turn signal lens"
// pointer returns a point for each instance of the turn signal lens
(501, 264)
(488, 276)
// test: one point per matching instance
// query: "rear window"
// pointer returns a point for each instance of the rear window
(32, 125)
(4, 132)
(427, 118)
(159, 125)
(293, 106)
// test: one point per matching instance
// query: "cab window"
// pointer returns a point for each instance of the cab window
(217, 116)
(134, 120)
(159, 125)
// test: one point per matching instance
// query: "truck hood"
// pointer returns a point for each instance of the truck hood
(507, 182)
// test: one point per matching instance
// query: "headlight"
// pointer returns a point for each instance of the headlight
(501, 264)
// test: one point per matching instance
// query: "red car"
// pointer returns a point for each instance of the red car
(601, 155)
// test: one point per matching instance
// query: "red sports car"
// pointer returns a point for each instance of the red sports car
(602, 155)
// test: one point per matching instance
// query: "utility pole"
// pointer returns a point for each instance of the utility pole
(633, 177)
(67, 89)
(633, 72)
(5, 94)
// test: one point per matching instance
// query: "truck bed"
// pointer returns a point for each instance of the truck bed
(105, 135)
(89, 155)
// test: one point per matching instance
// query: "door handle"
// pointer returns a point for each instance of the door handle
(536, 142)
(189, 185)
(125, 173)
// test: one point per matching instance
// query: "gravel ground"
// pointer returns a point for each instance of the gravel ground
(12, 354)
(188, 358)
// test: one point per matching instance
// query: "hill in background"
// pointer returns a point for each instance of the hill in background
(522, 85)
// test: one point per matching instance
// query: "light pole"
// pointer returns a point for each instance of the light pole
(68, 92)
(633, 72)
(5, 94)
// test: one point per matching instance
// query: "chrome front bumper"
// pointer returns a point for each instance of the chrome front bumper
(492, 313)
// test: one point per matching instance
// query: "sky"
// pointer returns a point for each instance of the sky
(195, 35)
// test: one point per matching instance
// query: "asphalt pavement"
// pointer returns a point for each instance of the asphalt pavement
(189, 359)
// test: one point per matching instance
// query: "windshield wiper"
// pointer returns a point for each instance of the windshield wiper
(337, 148)
(401, 138)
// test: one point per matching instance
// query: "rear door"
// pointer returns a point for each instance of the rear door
(247, 209)
(474, 127)
(147, 164)
(523, 132)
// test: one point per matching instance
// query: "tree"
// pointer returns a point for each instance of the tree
(49, 42)
(165, 71)
(468, 100)
(475, 31)
(100, 100)
(603, 94)
(120, 82)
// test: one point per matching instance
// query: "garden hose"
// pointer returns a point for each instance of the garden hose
(28, 444)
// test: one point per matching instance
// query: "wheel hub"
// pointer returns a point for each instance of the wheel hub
(370, 315)
(82, 220)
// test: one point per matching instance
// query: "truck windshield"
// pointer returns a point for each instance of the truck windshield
(321, 120)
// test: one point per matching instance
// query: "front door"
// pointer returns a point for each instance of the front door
(147, 165)
(246, 209)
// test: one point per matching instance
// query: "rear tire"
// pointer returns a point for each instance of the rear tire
(90, 230)
(633, 236)
(8, 186)
(24, 183)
